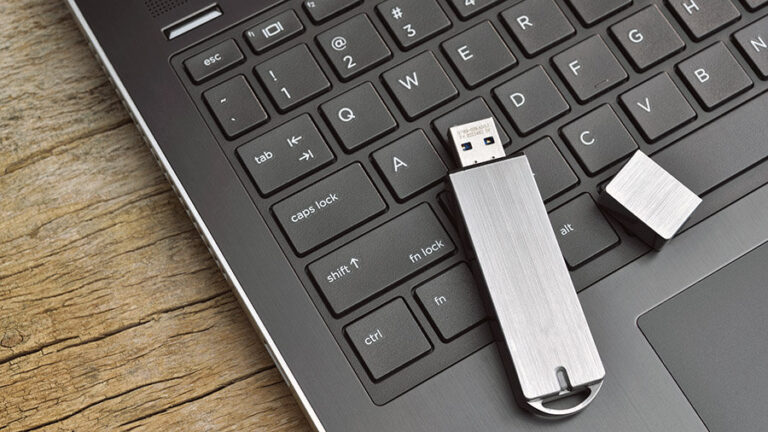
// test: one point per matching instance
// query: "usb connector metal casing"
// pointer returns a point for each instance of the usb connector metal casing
(545, 333)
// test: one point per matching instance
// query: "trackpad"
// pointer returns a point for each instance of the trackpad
(713, 338)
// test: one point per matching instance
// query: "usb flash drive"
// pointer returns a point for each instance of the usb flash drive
(544, 335)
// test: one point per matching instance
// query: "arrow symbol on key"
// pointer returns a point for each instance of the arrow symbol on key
(354, 262)
(307, 155)
(294, 140)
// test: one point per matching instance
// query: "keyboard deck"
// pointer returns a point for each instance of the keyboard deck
(335, 115)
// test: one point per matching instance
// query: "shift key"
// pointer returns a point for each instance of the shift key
(329, 208)
(381, 258)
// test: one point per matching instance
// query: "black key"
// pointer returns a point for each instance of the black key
(714, 76)
(358, 117)
(553, 174)
(531, 100)
(268, 34)
(236, 108)
(657, 107)
(469, 8)
(592, 11)
(413, 21)
(753, 42)
(419, 85)
(213, 61)
(381, 258)
(322, 10)
(581, 230)
(474, 110)
(701, 18)
(479, 54)
(537, 25)
(755, 4)
(589, 68)
(598, 139)
(387, 339)
(285, 154)
(353, 47)
(647, 38)
(292, 78)
(329, 208)
(452, 302)
(409, 165)
(720, 150)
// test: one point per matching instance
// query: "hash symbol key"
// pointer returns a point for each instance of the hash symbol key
(413, 21)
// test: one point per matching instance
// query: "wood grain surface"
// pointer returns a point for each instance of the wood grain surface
(112, 314)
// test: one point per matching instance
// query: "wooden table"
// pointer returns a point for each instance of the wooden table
(112, 314)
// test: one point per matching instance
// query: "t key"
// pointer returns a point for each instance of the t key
(413, 21)
(292, 78)
(589, 68)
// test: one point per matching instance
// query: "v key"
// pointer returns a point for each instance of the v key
(657, 107)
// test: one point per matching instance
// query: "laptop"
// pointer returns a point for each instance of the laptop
(308, 140)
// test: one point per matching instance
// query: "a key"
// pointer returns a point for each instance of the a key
(479, 54)
(701, 18)
(591, 12)
(412, 22)
(328, 208)
(419, 85)
(358, 117)
(589, 68)
(714, 75)
(235, 107)
(353, 47)
(537, 25)
(381, 258)
(469, 8)
(753, 42)
(719, 150)
(553, 174)
(409, 165)
(285, 154)
(323, 10)
(452, 302)
(268, 34)
(531, 100)
(213, 61)
(387, 339)
(598, 139)
(472, 111)
(755, 4)
(292, 78)
(657, 107)
(647, 38)
(581, 230)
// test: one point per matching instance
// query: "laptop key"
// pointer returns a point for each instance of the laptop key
(323, 10)
(387, 339)
(553, 174)
(381, 258)
(409, 165)
(589, 68)
(474, 110)
(714, 75)
(755, 4)
(592, 11)
(213, 61)
(647, 38)
(537, 25)
(753, 42)
(270, 33)
(452, 301)
(353, 47)
(701, 18)
(235, 107)
(328, 208)
(581, 230)
(285, 154)
(531, 100)
(419, 85)
(412, 22)
(292, 78)
(358, 117)
(469, 8)
(657, 107)
(598, 139)
(479, 54)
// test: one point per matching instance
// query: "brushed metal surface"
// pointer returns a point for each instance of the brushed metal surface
(648, 200)
(539, 315)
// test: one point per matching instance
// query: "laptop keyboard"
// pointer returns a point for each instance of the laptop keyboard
(335, 114)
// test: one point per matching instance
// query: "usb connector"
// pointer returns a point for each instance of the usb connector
(544, 335)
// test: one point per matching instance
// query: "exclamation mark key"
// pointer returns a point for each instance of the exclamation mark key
(292, 78)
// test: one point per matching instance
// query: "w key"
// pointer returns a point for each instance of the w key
(419, 85)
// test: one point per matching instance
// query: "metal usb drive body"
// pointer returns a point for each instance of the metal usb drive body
(545, 333)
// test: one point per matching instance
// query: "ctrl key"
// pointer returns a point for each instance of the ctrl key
(388, 339)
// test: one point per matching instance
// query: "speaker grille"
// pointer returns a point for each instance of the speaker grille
(160, 7)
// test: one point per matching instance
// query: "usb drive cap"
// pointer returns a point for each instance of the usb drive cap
(477, 142)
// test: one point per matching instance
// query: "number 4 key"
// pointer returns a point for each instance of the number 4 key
(469, 8)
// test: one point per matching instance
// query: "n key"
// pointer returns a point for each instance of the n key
(753, 42)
